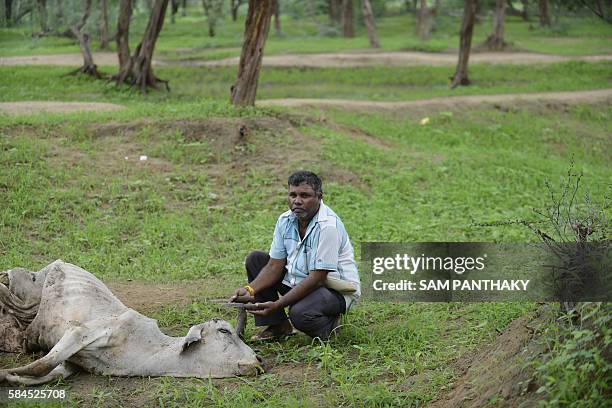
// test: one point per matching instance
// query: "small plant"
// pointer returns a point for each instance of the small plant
(576, 370)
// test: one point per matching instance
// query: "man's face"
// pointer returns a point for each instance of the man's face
(303, 201)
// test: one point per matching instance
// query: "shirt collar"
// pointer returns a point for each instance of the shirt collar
(321, 215)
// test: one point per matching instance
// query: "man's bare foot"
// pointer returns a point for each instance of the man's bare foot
(274, 332)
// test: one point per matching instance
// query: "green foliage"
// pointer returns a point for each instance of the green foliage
(188, 37)
(576, 371)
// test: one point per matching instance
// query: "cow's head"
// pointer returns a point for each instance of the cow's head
(216, 347)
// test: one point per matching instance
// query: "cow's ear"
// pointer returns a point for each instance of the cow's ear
(193, 336)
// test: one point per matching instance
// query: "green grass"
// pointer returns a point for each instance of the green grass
(187, 38)
(190, 84)
(384, 356)
(66, 191)
(160, 223)
(203, 200)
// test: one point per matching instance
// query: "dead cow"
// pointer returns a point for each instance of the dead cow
(68, 311)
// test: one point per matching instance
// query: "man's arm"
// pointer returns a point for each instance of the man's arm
(313, 281)
(269, 275)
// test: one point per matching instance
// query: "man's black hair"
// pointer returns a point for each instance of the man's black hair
(307, 177)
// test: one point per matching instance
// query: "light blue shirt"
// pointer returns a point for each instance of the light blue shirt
(326, 246)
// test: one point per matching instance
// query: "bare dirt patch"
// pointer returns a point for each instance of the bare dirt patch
(73, 60)
(361, 59)
(499, 374)
(328, 60)
(32, 107)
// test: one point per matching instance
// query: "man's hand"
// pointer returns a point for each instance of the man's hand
(241, 295)
(265, 309)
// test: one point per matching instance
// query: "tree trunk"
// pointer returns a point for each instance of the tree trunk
(544, 14)
(60, 12)
(174, 6)
(8, 11)
(423, 21)
(103, 24)
(368, 18)
(525, 14)
(465, 43)
(348, 28)
(22, 11)
(495, 41)
(139, 72)
(88, 68)
(42, 11)
(335, 11)
(256, 30)
(184, 8)
(123, 34)
(235, 5)
(277, 22)
(213, 10)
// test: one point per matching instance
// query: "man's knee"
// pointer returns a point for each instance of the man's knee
(304, 319)
(255, 261)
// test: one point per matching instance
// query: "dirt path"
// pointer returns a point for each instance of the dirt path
(446, 102)
(73, 60)
(32, 107)
(335, 60)
(347, 60)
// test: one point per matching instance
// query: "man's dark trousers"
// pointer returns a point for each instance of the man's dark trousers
(314, 315)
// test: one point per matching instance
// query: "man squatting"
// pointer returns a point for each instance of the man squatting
(311, 264)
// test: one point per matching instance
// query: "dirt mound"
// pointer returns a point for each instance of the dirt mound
(31, 107)
(500, 374)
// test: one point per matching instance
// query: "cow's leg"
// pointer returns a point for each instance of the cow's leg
(63, 370)
(74, 340)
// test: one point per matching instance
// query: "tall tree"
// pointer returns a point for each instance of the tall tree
(423, 21)
(495, 41)
(544, 14)
(513, 11)
(59, 15)
(138, 71)
(257, 26)
(277, 23)
(235, 5)
(174, 6)
(42, 12)
(525, 4)
(8, 11)
(368, 18)
(335, 11)
(104, 24)
(348, 26)
(123, 34)
(213, 9)
(465, 44)
(88, 67)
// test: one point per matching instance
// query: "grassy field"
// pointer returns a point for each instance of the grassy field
(72, 187)
(195, 208)
(373, 83)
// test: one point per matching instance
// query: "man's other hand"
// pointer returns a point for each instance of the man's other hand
(241, 295)
(265, 308)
